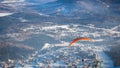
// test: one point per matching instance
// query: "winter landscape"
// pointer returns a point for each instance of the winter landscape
(37, 33)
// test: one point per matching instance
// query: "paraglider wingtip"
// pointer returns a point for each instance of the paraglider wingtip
(91, 40)
(69, 45)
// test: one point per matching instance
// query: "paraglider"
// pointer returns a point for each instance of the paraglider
(78, 39)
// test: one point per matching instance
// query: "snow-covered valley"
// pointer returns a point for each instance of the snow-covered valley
(37, 34)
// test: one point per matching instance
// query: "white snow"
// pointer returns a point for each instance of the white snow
(42, 14)
(46, 1)
(5, 14)
(23, 20)
(98, 40)
(12, 1)
(47, 45)
(61, 32)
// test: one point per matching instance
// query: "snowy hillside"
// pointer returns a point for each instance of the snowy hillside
(37, 33)
(63, 34)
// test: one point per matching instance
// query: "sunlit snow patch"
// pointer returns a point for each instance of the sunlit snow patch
(12, 1)
(47, 45)
(5, 14)
(23, 20)
(41, 14)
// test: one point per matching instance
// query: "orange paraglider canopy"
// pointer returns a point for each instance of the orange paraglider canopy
(78, 39)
